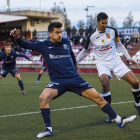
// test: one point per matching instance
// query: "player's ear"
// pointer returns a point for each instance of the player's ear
(50, 33)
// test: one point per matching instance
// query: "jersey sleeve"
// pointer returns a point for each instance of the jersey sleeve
(117, 39)
(72, 55)
(32, 46)
(1, 57)
(21, 55)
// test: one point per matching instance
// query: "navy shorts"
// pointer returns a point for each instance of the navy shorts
(44, 68)
(73, 84)
(12, 71)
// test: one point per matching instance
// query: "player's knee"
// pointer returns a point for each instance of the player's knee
(135, 84)
(100, 99)
(105, 84)
(42, 99)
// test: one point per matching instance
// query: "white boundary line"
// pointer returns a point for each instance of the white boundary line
(12, 115)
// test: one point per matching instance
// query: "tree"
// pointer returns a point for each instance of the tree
(112, 22)
(128, 21)
(58, 9)
(81, 24)
(93, 21)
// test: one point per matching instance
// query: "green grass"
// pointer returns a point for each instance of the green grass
(75, 124)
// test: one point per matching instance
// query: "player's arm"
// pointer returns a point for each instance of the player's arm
(1, 56)
(84, 50)
(123, 50)
(22, 55)
(73, 58)
(32, 46)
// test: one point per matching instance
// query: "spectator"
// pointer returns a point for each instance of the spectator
(34, 33)
(68, 32)
(83, 41)
(74, 30)
(90, 29)
(81, 31)
(136, 36)
(121, 37)
(86, 32)
(29, 34)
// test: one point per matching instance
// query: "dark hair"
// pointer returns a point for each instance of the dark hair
(7, 44)
(102, 16)
(54, 25)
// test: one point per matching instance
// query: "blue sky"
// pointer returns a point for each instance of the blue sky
(118, 9)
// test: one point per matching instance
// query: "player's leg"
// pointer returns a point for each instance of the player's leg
(39, 76)
(123, 72)
(52, 91)
(93, 95)
(105, 77)
(133, 81)
(0, 77)
(47, 95)
(17, 76)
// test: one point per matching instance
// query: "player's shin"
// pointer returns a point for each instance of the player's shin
(136, 93)
(39, 76)
(107, 97)
(46, 117)
(21, 85)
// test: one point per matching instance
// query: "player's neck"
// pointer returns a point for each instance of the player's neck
(7, 53)
(98, 28)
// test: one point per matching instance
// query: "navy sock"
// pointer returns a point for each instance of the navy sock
(109, 110)
(46, 116)
(108, 99)
(21, 85)
(136, 96)
(39, 76)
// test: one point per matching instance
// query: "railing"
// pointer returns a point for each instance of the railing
(27, 8)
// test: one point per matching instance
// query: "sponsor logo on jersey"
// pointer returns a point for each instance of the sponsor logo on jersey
(52, 56)
(105, 49)
(103, 41)
(108, 36)
(51, 47)
(65, 46)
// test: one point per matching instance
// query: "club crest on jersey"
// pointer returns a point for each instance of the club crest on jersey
(12, 57)
(103, 41)
(65, 46)
(108, 36)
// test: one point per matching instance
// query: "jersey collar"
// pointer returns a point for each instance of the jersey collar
(99, 31)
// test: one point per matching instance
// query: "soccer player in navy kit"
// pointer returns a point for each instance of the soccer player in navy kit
(9, 64)
(62, 69)
(43, 68)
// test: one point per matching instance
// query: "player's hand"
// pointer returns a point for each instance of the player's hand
(41, 64)
(134, 63)
(30, 59)
(76, 66)
(15, 33)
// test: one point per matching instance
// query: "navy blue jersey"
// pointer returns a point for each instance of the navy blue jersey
(9, 61)
(58, 56)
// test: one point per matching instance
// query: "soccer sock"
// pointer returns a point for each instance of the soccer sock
(21, 85)
(109, 110)
(136, 93)
(39, 76)
(107, 97)
(46, 117)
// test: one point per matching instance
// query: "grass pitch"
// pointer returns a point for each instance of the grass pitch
(80, 120)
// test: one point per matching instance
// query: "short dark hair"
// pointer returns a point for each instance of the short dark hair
(7, 44)
(102, 16)
(54, 25)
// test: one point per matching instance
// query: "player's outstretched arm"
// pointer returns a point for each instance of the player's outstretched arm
(126, 54)
(22, 55)
(84, 50)
(32, 46)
